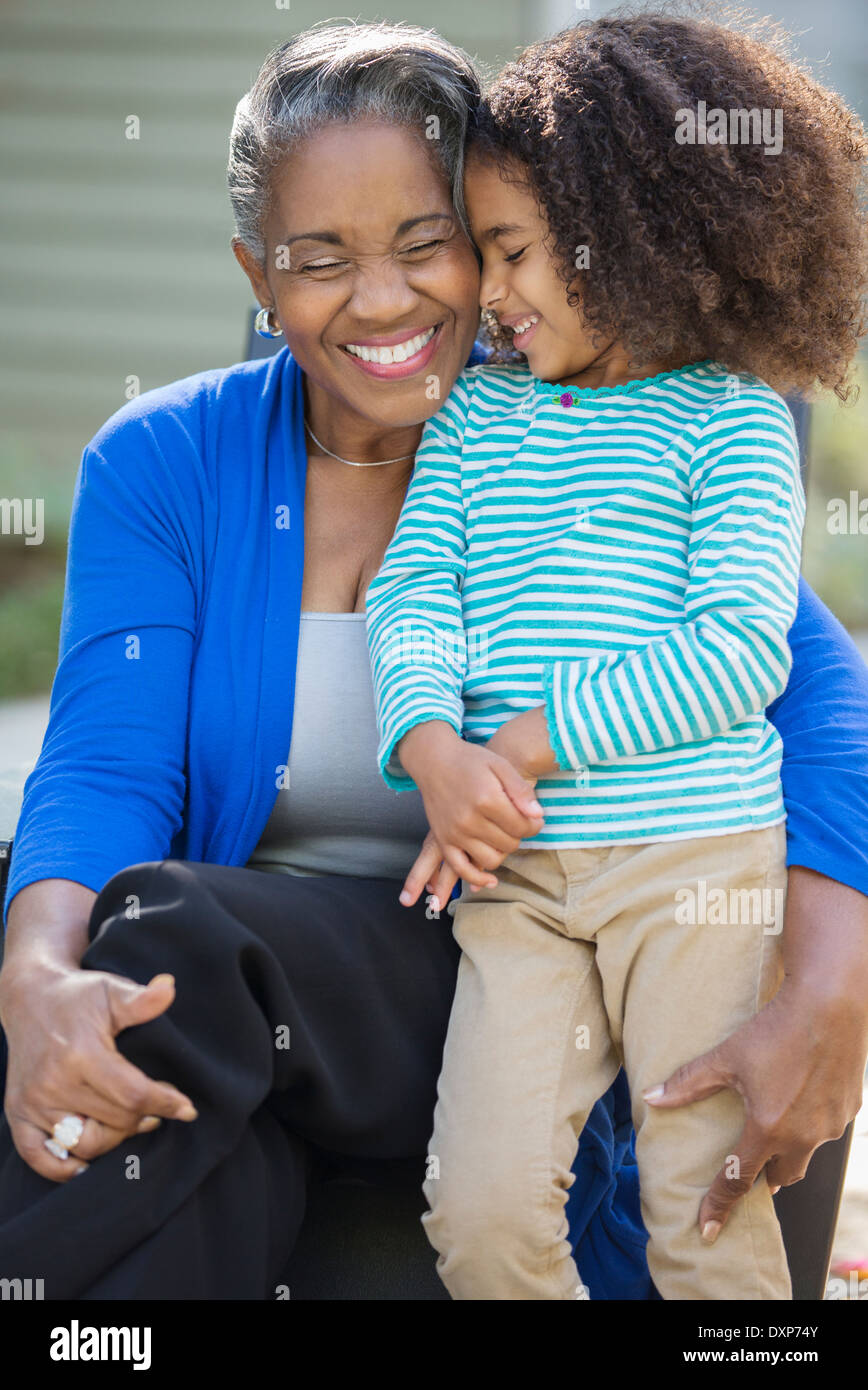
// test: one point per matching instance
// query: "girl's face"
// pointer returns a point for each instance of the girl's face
(520, 283)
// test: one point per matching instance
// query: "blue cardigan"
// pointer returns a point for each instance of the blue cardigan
(171, 709)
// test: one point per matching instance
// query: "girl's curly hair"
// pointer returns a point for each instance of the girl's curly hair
(758, 261)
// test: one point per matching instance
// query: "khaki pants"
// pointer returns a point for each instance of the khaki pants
(578, 961)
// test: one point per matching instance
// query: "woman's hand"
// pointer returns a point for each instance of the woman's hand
(433, 871)
(60, 1026)
(799, 1064)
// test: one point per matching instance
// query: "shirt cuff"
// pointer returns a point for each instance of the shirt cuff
(567, 732)
(390, 764)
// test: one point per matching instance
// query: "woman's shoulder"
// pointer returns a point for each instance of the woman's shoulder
(192, 409)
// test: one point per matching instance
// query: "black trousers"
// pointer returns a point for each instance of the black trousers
(359, 987)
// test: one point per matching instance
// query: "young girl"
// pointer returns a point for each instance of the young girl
(594, 574)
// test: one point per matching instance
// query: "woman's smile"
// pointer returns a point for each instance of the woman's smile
(395, 354)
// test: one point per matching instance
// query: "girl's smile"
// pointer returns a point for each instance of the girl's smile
(523, 328)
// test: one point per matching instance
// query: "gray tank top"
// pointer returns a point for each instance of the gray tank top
(337, 816)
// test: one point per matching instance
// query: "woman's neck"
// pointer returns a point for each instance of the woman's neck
(342, 431)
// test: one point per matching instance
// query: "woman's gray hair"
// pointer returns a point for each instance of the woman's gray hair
(396, 73)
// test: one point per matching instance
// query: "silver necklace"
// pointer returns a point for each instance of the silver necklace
(378, 463)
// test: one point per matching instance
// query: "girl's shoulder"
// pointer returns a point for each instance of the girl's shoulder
(716, 385)
(491, 387)
(727, 399)
(740, 419)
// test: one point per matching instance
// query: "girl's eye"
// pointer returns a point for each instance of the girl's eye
(516, 255)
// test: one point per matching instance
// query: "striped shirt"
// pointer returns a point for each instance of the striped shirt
(627, 557)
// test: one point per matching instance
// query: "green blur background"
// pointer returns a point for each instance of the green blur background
(116, 259)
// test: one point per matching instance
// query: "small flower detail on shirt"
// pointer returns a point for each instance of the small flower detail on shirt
(566, 399)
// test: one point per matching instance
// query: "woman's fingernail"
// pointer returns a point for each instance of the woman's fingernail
(187, 1112)
(654, 1093)
(148, 1123)
(536, 808)
(434, 904)
(776, 1189)
(404, 898)
(710, 1232)
(83, 1169)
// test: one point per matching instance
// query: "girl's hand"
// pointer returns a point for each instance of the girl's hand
(60, 1026)
(433, 871)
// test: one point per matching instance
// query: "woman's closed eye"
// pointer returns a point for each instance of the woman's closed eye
(313, 266)
(421, 246)
(418, 249)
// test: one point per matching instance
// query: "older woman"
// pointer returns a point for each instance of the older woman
(209, 977)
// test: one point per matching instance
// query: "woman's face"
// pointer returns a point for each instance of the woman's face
(371, 276)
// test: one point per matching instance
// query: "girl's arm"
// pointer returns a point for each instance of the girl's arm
(415, 625)
(730, 656)
(478, 807)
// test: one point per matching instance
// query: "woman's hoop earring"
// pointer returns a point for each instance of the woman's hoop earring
(262, 324)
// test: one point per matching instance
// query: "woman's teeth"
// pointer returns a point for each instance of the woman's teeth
(525, 325)
(398, 352)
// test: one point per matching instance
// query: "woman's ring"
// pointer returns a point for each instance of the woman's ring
(65, 1135)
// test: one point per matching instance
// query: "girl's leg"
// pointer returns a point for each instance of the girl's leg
(526, 1056)
(307, 1009)
(683, 964)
